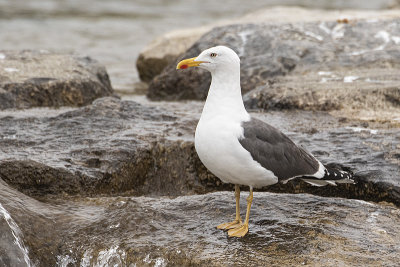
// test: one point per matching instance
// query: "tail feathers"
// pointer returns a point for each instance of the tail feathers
(331, 177)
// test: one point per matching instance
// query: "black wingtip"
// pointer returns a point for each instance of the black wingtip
(335, 174)
(332, 177)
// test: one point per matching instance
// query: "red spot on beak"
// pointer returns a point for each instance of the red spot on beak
(184, 66)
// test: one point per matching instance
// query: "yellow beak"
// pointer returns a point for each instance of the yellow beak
(187, 63)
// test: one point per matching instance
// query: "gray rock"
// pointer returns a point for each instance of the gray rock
(12, 251)
(294, 65)
(111, 146)
(167, 48)
(112, 183)
(43, 79)
(121, 147)
(285, 230)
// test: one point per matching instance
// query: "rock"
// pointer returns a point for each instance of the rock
(44, 79)
(119, 183)
(313, 66)
(108, 147)
(12, 250)
(341, 88)
(284, 230)
(115, 147)
(164, 50)
(167, 48)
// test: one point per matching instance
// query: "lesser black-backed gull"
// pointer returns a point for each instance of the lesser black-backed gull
(242, 150)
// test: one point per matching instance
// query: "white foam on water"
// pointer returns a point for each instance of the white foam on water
(160, 262)
(147, 259)
(109, 256)
(64, 261)
(86, 258)
(17, 233)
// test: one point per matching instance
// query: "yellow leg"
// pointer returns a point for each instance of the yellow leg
(238, 221)
(243, 228)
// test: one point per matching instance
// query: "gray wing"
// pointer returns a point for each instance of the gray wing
(276, 152)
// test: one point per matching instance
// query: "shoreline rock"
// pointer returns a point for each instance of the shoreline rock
(312, 66)
(167, 48)
(143, 230)
(121, 183)
(115, 147)
(44, 79)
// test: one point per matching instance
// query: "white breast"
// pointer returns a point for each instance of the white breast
(219, 129)
(218, 147)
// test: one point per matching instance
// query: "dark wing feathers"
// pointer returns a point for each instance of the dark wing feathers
(276, 152)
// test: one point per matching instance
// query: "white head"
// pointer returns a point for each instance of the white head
(224, 95)
(212, 59)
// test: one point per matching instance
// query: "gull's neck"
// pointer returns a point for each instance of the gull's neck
(225, 96)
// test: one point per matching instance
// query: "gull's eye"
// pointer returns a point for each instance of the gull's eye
(213, 54)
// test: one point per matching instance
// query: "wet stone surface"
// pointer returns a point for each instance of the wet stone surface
(44, 79)
(285, 229)
(118, 182)
(111, 146)
(312, 66)
(121, 147)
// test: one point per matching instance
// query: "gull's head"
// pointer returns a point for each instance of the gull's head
(212, 59)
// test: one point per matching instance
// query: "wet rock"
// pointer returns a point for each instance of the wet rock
(313, 66)
(111, 146)
(285, 230)
(167, 48)
(12, 250)
(44, 79)
(115, 147)
(100, 178)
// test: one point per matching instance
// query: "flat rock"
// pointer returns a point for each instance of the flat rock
(167, 48)
(115, 147)
(111, 146)
(117, 183)
(44, 79)
(284, 230)
(313, 66)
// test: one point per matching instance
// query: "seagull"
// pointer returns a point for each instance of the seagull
(243, 150)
